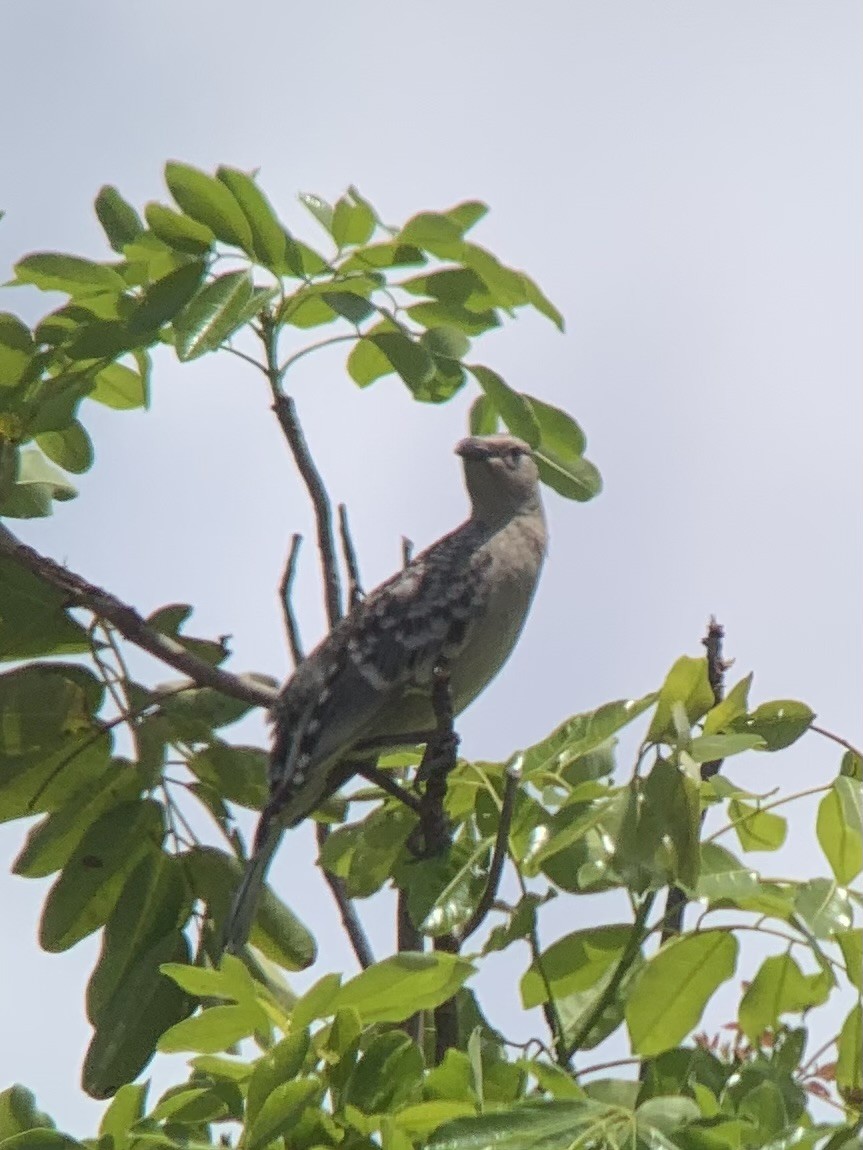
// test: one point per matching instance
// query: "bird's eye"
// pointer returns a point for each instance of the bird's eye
(513, 456)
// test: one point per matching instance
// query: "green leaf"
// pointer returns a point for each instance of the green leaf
(214, 1030)
(349, 306)
(18, 1112)
(41, 1140)
(433, 232)
(686, 684)
(366, 363)
(779, 723)
(849, 1063)
(282, 1111)
(154, 903)
(851, 766)
(466, 214)
(353, 221)
(268, 235)
(87, 890)
(376, 256)
(709, 748)
(851, 945)
(279, 1065)
(119, 220)
(757, 830)
(447, 342)
(71, 448)
(576, 478)
(179, 232)
(213, 315)
(532, 1125)
(581, 734)
(38, 484)
(483, 418)
(393, 990)
(239, 774)
(840, 829)
(33, 620)
(409, 358)
(146, 1003)
(560, 435)
(459, 287)
(573, 963)
(436, 314)
(538, 299)
(79, 278)
(779, 987)
(16, 349)
(166, 297)
(51, 842)
(127, 1108)
(210, 202)
(824, 907)
(105, 339)
(723, 877)
(515, 409)
(388, 1073)
(671, 991)
(120, 388)
(320, 209)
(734, 706)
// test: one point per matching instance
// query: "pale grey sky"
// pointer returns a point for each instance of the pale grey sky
(682, 177)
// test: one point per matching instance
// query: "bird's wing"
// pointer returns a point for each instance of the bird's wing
(389, 645)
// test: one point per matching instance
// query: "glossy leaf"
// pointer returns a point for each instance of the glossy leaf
(575, 962)
(214, 1029)
(531, 1126)
(840, 829)
(483, 418)
(166, 297)
(824, 907)
(34, 621)
(38, 484)
(581, 734)
(851, 944)
(670, 993)
(353, 308)
(779, 723)
(210, 202)
(16, 349)
(447, 342)
(433, 232)
(239, 774)
(779, 987)
(733, 707)
(280, 1064)
(215, 312)
(514, 409)
(388, 1072)
(757, 830)
(281, 1112)
(178, 231)
(409, 358)
(353, 221)
(849, 1064)
(71, 448)
(120, 388)
(119, 220)
(687, 685)
(268, 235)
(79, 278)
(393, 990)
(145, 1005)
(87, 890)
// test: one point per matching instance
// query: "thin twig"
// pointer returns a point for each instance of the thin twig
(350, 920)
(132, 625)
(498, 858)
(286, 588)
(355, 591)
(383, 779)
(549, 1007)
(407, 550)
(836, 739)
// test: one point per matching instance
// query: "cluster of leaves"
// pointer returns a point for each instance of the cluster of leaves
(209, 270)
(338, 1066)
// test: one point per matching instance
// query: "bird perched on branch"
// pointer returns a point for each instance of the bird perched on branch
(368, 685)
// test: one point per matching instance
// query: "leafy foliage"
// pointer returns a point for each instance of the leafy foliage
(344, 1064)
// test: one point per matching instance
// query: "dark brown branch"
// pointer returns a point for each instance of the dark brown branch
(675, 902)
(386, 782)
(286, 590)
(286, 413)
(498, 858)
(131, 625)
(409, 938)
(355, 591)
(432, 836)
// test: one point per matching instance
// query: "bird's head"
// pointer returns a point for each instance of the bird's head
(501, 476)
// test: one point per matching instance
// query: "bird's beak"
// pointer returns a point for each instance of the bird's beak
(472, 448)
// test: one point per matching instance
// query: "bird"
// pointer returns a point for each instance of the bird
(461, 603)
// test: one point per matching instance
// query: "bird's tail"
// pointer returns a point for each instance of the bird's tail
(242, 914)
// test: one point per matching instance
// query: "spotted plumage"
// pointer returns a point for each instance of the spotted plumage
(463, 600)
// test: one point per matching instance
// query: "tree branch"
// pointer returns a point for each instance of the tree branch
(132, 626)
(355, 591)
(286, 589)
(350, 919)
(498, 858)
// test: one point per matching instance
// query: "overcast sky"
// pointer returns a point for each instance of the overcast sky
(683, 179)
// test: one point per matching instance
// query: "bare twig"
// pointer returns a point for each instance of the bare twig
(386, 782)
(286, 413)
(409, 938)
(286, 588)
(132, 625)
(549, 1008)
(498, 858)
(350, 920)
(355, 591)
(836, 739)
